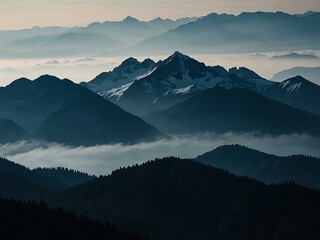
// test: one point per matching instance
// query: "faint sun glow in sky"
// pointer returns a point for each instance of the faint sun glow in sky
(16, 14)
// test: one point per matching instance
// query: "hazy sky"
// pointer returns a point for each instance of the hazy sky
(16, 14)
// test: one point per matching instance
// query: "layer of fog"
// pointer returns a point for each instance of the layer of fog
(86, 68)
(101, 160)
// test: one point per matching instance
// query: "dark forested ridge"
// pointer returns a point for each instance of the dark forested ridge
(20, 182)
(29, 220)
(67, 176)
(271, 169)
(181, 199)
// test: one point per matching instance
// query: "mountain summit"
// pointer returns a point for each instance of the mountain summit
(141, 88)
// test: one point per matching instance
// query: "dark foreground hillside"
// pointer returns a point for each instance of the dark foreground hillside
(17, 181)
(35, 221)
(181, 199)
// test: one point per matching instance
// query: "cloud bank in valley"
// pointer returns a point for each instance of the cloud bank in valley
(101, 160)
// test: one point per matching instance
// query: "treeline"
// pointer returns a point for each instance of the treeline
(31, 220)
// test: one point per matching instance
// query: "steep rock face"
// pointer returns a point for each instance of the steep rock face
(236, 110)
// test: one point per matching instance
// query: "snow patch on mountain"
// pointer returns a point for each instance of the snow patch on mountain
(116, 92)
(291, 87)
(181, 91)
(145, 74)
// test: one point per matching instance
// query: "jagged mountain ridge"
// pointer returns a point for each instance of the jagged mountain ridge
(143, 90)
(171, 81)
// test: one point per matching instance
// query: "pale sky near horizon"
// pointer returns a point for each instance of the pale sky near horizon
(17, 14)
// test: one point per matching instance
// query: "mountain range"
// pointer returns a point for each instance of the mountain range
(61, 111)
(143, 107)
(178, 95)
(130, 30)
(246, 32)
(94, 39)
(146, 87)
(214, 33)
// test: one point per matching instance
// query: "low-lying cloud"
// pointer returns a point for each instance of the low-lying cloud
(101, 160)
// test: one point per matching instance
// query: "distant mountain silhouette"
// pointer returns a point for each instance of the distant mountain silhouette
(62, 111)
(9, 36)
(296, 92)
(308, 13)
(235, 110)
(214, 33)
(310, 73)
(10, 131)
(180, 199)
(296, 56)
(247, 32)
(131, 30)
(94, 39)
(65, 44)
(29, 220)
(268, 168)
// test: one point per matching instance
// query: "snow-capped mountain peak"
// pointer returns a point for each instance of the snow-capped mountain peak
(129, 62)
(125, 73)
(148, 86)
(296, 84)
